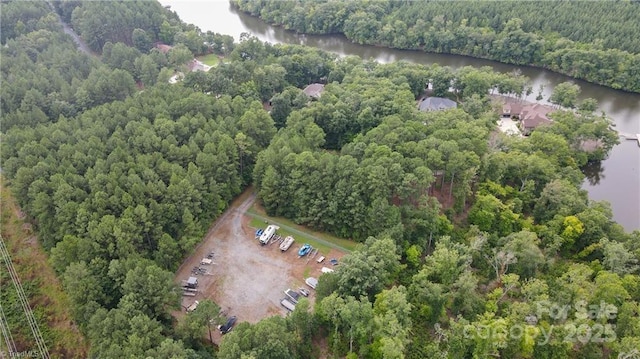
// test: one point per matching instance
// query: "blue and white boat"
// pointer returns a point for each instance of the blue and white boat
(304, 250)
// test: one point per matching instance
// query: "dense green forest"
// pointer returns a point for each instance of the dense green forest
(474, 243)
(595, 41)
(113, 212)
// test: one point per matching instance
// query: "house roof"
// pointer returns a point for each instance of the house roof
(534, 110)
(535, 120)
(590, 145)
(512, 108)
(436, 104)
(314, 90)
(535, 115)
(195, 65)
(164, 48)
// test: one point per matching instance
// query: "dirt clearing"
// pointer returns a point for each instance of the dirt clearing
(247, 279)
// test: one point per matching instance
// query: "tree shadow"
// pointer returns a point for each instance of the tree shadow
(594, 172)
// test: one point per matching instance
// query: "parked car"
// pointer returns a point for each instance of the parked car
(303, 291)
(226, 328)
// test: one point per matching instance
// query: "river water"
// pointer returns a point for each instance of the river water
(617, 179)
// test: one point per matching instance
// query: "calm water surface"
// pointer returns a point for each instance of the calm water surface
(616, 180)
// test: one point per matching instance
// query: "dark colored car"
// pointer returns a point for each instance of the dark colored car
(226, 328)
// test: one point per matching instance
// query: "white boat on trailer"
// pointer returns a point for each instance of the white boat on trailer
(311, 282)
(286, 244)
(288, 305)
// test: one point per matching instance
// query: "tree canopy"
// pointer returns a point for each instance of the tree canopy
(464, 230)
(594, 41)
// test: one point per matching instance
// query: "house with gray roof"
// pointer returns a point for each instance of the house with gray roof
(436, 104)
(314, 90)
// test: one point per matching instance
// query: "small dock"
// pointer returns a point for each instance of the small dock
(629, 136)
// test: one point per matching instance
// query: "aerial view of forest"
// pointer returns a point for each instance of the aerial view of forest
(597, 41)
(127, 136)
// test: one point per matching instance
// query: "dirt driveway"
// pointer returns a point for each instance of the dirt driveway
(246, 279)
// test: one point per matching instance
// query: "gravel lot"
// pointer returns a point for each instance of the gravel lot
(246, 279)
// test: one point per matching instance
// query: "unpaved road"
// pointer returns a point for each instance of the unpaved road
(82, 46)
(247, 280)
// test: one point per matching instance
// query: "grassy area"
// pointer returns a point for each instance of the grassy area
(50, 304)
(210, 59)
(323, 241)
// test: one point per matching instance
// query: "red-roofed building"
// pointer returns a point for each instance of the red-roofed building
(533, 116)
(511, 110)
(530, 116)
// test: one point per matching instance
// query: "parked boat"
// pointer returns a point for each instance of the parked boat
(287, 243)
(304, 250)
(311, 282)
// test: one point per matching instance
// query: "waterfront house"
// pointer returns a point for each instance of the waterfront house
(436, 104)
(530, 116)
